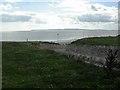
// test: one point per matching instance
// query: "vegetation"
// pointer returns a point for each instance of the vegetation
(98, 41)
(36, 42)
(110, 62)
(26, 66)
(40, 42)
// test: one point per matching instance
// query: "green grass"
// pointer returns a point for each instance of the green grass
(26, 66)
(41, 42)
(98, 41)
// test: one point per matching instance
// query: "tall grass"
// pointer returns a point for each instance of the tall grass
(26, 66)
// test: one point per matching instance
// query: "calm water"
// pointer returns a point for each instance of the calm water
(55, 35)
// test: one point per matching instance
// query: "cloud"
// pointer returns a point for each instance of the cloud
(68, 14)
(18, 16)
(15, 18)
(6, 7)
(72, 5)
(73, 12)
(95, 18)
(22, 16)
(39, 18)
(94, 8)
(12, 1)
(85, 11)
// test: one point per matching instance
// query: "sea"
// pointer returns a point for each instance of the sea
(54, 35)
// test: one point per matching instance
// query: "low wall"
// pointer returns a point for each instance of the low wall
(95, 54)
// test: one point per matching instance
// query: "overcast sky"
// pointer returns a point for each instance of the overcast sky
(17, 15)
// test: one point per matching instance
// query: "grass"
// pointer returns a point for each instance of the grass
(99, 41)
(26, 66)
(41, 42)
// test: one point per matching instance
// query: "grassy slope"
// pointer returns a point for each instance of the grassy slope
(98, 41)
(28, 67)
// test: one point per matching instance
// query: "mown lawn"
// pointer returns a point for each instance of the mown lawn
(99, 41)
(26, 66)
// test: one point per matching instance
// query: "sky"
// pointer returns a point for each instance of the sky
(23, 15)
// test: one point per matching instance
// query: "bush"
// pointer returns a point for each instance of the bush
(110, 62)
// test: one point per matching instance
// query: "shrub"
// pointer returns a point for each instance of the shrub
(110, 62)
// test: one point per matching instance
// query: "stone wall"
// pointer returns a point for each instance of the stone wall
(92, 53)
